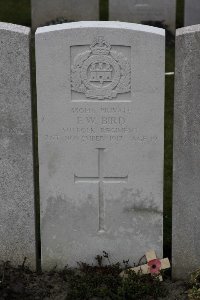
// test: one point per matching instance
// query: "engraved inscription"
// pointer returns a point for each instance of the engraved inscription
(101, 73)
(141, 3)
(102, 123)
(100, 179)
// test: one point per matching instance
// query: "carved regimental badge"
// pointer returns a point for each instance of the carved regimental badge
(101, 73)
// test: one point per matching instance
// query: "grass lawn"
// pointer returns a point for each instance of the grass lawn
(18, 12)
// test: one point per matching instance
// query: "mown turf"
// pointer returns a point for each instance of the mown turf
(15, 11)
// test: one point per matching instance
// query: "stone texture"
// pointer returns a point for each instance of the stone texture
(17, 226)
(100, 88)
(192, 12)
(139, 11)
(186, 187)
(46, 11)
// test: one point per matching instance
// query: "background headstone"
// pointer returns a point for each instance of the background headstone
(100, 88)
(139, 11)
(186, 178)
(17, 224)
(192, 12)
(47, 11)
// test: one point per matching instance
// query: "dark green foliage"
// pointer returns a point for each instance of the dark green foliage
(180, 13)
(194, 285)
(169, 100)
(58, 21)
(160, 24)
(15, 11)
(140, 287)
(104, 14)
(102, 281)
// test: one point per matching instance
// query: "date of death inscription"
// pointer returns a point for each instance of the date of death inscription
(102, 124)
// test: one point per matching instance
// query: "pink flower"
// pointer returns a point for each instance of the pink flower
(155, 266)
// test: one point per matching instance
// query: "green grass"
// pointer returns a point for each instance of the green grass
(103, 4)
(180, 13)
(169, 103)
(169, 92)
(18, 12)
(15, 11)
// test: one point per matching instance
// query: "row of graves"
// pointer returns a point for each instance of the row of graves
(160, 12)
(100, 132)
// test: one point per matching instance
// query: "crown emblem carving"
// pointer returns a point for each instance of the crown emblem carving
(100, 46)
(100, 72)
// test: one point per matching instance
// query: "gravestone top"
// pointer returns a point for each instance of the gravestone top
(188, 29)
(14, 27)
(46, 12)
(102, 24)
(162, 12)
(100, 89)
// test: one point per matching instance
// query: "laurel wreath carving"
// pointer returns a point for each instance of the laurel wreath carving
(124, 85)
(76, 81)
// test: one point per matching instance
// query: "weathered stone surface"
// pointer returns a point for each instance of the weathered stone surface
(46, 11)
(139, 11)
(192, 12)
(186, 187)
(17, 226)
(100, 88)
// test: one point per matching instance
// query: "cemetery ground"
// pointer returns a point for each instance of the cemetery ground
(96, 282)
(100, 281)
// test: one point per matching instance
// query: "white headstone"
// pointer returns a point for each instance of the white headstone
(186, 177)
(192, 12)
(100, 88)
(46, 11)
(138, 11)
(17, 225)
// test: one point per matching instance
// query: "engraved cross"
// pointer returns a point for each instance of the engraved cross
(100, 179)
